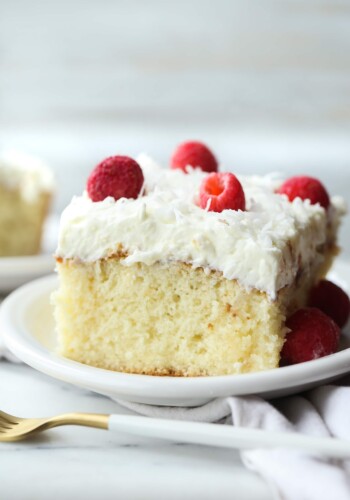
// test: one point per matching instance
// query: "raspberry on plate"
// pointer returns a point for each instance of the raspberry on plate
(312, 335)
(194, 154)
(116, 176)
(306, 188)
(221, 191)
(332, 300)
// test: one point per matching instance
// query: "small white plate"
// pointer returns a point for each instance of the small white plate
(27, 325)
(15, 271)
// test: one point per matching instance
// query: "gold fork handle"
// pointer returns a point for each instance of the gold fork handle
(99, 421)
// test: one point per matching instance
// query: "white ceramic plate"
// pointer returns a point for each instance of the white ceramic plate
(15, 271)
(27, 325)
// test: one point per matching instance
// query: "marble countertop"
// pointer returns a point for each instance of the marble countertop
(71, 462)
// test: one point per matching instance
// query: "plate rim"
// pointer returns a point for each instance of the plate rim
(26, 264)
(28, 349)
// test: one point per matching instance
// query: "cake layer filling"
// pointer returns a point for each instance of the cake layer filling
(170, 319)
(263, 247)
(164, 320)
(21, 223)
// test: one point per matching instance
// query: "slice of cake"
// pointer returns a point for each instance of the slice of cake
(26, 187)
(188, 272)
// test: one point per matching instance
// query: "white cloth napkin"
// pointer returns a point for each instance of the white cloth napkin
(292, 475)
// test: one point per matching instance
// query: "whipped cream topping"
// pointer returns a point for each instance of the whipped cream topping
(26, 173)
(262, 247)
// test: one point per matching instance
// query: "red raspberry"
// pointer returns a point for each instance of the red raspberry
(306, 188)
(332, 300)
(116, 176)
(312, 335)
(194, 154)
(224, 192)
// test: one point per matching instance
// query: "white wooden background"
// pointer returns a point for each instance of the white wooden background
(265, 82)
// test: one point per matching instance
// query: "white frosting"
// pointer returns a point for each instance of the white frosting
(262, 247)
(27, 174)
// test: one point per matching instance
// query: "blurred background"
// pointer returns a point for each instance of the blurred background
(265, 83)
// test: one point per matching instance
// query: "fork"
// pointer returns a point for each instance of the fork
(15, 428)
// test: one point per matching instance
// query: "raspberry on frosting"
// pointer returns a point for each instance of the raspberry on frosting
(221, 191)
(116, 176)
(332, 300)
(306, 188)
(194, 154)
(312, 335)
